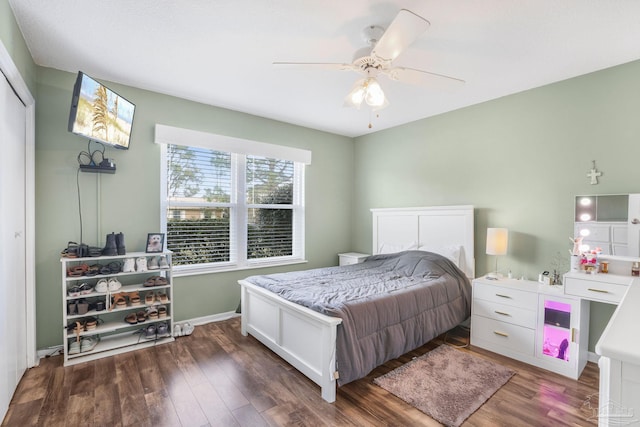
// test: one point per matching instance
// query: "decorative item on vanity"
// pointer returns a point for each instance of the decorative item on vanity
(497, 243)
(594, 174)
(583, 258)
(575, 253)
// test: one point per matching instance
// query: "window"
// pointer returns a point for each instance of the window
(229, 203)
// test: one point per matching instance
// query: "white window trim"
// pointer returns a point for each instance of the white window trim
(165, 135)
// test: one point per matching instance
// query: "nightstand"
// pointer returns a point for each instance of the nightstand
(351, 258)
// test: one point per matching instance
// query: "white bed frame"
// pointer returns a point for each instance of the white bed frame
(307, 339)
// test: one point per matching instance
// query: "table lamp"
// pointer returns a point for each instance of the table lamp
(497, 243)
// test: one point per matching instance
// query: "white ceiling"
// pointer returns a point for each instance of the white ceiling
(220, 52)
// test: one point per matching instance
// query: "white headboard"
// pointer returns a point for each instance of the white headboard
(397, 229)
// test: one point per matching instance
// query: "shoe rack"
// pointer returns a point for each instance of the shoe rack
(115, 304)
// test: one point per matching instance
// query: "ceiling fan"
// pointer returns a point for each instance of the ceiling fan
(377, 59)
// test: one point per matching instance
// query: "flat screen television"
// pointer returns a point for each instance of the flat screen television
(100, 114)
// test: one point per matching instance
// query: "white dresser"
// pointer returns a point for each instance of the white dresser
(534, 323)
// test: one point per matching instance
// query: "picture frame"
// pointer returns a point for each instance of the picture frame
(155, 243)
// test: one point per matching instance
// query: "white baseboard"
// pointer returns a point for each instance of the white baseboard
(208, 319)
(592, 357)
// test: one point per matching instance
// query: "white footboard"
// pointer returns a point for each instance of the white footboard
(304, 338)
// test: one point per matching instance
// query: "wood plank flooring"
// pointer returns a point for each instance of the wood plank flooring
(217, 377)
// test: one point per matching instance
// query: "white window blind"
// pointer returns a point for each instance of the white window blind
(228, 209)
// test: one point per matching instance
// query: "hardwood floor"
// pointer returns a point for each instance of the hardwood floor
(217, 377)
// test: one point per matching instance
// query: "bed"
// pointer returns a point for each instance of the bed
(317, 339)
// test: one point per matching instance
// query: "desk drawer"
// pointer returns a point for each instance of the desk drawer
(594, 290)
(506, 296)
(505, 313)
(502, 334)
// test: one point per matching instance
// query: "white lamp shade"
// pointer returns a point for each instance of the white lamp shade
(366, 90)
(497, 241)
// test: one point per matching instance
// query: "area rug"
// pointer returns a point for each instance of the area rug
(447, 384)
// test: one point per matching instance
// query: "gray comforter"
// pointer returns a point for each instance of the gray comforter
(390, 304)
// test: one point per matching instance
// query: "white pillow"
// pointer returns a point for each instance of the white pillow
(387, 248)
(450, 251)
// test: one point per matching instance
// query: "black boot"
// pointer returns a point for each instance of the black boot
(120, 244)
(110, 248)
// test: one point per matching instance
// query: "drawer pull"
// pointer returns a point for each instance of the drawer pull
(503, 296)
(502, 313)
(502, 334)
(602, 291)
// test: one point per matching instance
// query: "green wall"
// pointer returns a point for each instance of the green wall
(14, 43)
(129, 201)
(519, 160)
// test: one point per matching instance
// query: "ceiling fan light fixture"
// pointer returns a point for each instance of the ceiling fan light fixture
(375, 96)
(366, 90)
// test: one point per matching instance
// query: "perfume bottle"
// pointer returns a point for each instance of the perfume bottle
(635, 269)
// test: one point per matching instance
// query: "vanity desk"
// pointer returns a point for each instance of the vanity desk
(618, 346)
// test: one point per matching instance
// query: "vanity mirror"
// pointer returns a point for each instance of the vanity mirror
(610, 222)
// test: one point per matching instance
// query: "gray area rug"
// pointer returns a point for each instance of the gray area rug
(447, 384)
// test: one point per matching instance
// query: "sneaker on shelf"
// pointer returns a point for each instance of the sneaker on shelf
(102, 285)
(150, 332)
(163, 262)
(74, 347)
(162, 329)
(177, 330)
(187, 329)
(153, 263)
(88, 344)
(141, 264)
(114, 284)
(129, 265)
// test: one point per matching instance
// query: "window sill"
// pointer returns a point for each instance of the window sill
(180, 271)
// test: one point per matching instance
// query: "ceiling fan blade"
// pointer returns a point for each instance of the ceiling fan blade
(405, 28)
(423, 78)
(316, 65)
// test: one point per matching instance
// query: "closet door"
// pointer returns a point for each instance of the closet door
(13, 317)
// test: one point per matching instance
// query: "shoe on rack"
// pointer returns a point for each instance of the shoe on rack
(187, 329)
(74, 291)
(177, 330)
(131, 318)
(152, 312)
(82, 307)
(163, 262)
(141, 264)
(110, 247)
(88, 344)
(120, 248)
(74, 347)
(102, 285)
(114, 284)
(162, 311)
(72, 308)
(153, 263)
(150, 332)
(149, 298)
(134, 298)
(85, 288)
(162, 329)
(129, 265)
(162, 298)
